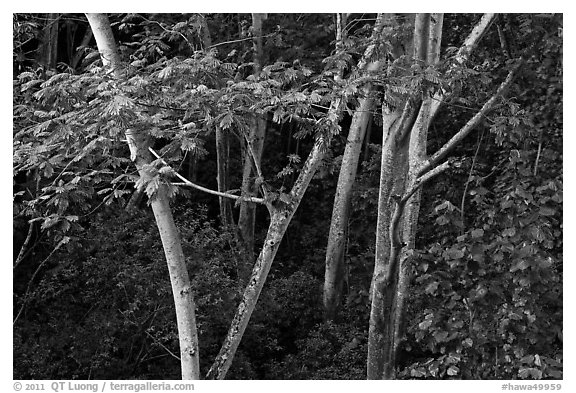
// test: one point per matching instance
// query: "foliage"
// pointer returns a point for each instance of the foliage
(486, 299)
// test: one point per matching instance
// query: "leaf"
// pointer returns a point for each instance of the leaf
(50, 222)
(165, 73)
(453, 370)
(455, 254)
(431, 288)
(441, 336)
(547, 211)
(522, 264)
(476, 233)
(425, 324)
(226, 121)
(152, 187)
(419, 372)
(531, 372)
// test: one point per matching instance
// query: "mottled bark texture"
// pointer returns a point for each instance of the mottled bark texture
(335, 267)
(138, 144)
(253, 157)
(281, 214)
(405, 168)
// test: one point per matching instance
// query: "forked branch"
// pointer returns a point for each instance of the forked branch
(472, 123)
(188, 183)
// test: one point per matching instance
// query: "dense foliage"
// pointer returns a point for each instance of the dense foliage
(92, 298)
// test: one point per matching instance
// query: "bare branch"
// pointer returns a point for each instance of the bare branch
(255, 163)
(23, 250)
(472, 123)
(163, 346)
(470, 43)
(474, 37)
(29, 286)
(424, 178)
(188, 183)
(240, 40)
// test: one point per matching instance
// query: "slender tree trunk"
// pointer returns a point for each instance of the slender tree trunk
(335, 251)
(49, 42)
(80, 50)
(394, 180)
(222, 160)
(222, 145)
(404, 156)
(181, 287)
(280, 217)
(430, 54)
(254, 148)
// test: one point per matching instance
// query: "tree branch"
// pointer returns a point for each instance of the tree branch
(255, 164)
(470, 43)
(240, 40)
(474, 37)
(188, 183)
(472, 123)
(29, 286)
(424, 178)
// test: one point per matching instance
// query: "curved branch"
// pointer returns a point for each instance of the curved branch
(472, 123)
(470, 43)
(188, 183)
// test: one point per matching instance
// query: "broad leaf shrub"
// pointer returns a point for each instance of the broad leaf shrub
(104, 310)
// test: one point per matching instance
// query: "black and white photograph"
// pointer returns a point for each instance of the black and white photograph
(304, 196)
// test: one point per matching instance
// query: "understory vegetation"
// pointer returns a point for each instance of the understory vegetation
(92, 291)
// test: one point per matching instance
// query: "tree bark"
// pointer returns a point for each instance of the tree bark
(49, 42)
(416, 155)
(80, 50)
(280, 217)
(222, 144)
(335, 250)
(181, 287)
(254, 148)
(222, 161)
(405, 161)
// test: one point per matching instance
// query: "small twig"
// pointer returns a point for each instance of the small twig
(163, 346)
(503, 42)
(538, 154)
(468, 181)
(256, 164)
(25, 297)
(24, 247)
(241, 39)
(168, 31)
(186, 182)
(472, 123)
(423, 178)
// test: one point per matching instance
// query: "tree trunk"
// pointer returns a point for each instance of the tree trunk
(279, 220)
(254, 148)
(80, 50)
(222, 160)
(335, 251)
(181, 287)
(405, 168)
(49, 42)
(280, 217)
(222, 144)
(416, 155)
